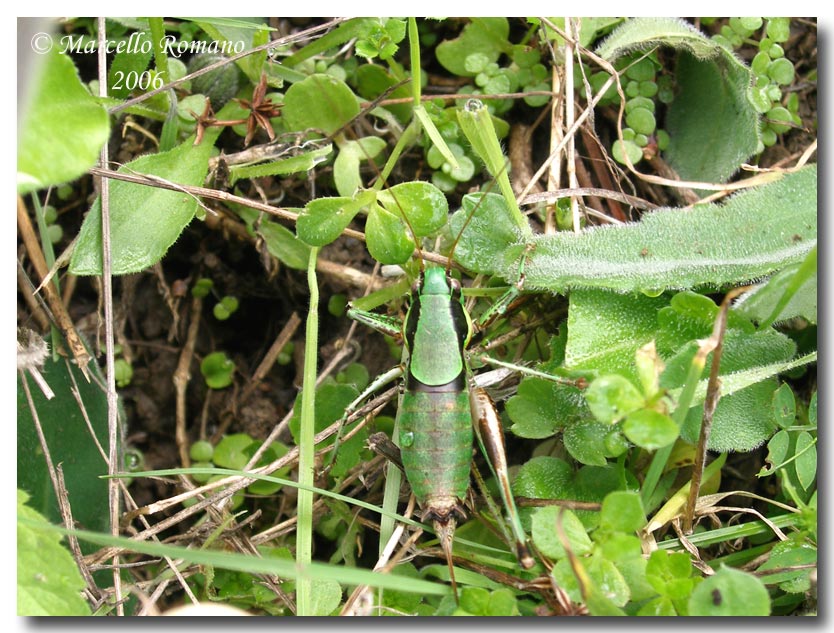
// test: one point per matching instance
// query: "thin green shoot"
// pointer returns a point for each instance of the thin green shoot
(419, 110)
(306, 447)
(284, 568)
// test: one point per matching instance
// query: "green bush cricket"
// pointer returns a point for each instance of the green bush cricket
(440, 408)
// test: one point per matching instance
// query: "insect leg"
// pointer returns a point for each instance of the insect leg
(377, 383)
(491, 439)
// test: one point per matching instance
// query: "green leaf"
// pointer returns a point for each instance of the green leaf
(487, 36)
(585, 440)
(487, 229)
(741, 422)
(48, 580)
(280, 241)
(546, 535)
(639, 34)
(346, 166)
(535, 409)
(69, 442)
(784, 406)
(373, 80)
(806, 459)
(324, 219)
(217, 369)
(273, 452)
(331, 400)
(622, 511)
(670, 574)
(660, 606)
(784, 556)
(476, 122)
(610, 588)
(281, 167)
(744, 416)
(712, 125)
(756, 233)
(250, 32)
(230, 451)
(129, 62)
(320, 102)
(605, 329)
(790, 293)
(650, 429)
(730, 592)
(544, 478)
(422, 203)
(327, 595)
(611, 397)
(63, 130)
(482, 602)
(387, 237)
(144, 221)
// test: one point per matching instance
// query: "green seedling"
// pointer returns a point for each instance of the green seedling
(217, 369)
(225, 308)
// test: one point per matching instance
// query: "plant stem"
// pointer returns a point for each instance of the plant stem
(306, 444)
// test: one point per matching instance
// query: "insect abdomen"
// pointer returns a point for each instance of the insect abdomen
(436, 445)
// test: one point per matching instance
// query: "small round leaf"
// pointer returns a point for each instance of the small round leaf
(217, 369)
(650, 429)
(612, 397)
(730, 592)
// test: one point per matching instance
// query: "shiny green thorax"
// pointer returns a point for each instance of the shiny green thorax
(437, 329)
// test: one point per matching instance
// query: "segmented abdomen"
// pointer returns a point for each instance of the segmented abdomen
(436, 446)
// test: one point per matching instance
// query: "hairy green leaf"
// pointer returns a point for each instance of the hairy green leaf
(144, 221)
(639, 34)
(324, 219)
(713, 128)
(485, 228)
(790, 293)
(63, 130)
(755, 233)
(48, 580)
(605, 329)
(282, 166)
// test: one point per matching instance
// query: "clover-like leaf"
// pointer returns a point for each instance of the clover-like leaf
(217, 369)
